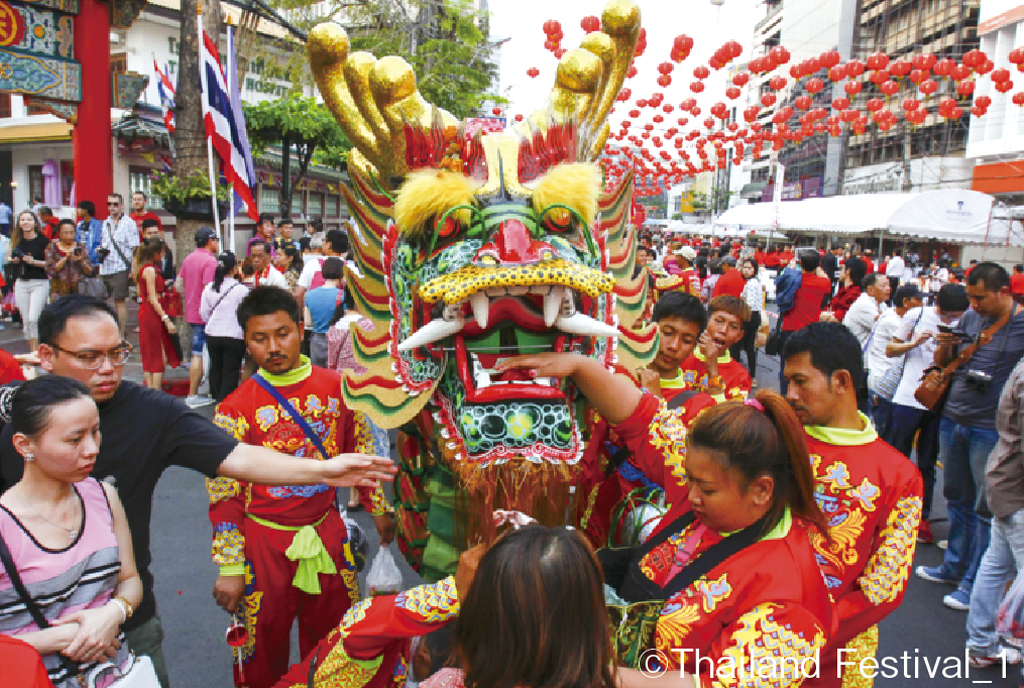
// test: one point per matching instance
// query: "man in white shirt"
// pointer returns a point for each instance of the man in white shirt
(266, 274)
(876, 361)
(894, 269)
(120, 238)
(336, 245)
(915, 337)
(864, 312)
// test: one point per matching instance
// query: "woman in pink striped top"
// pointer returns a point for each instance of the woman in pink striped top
(68, 536)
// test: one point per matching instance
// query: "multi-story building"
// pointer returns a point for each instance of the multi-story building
(925, 157)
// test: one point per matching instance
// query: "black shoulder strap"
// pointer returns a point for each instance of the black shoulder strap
(683, 397)
(30, 604)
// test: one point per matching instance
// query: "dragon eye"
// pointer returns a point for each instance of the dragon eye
(488, 259)
(448, 227)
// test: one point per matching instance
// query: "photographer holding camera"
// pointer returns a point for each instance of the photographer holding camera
(66, 261)
(114, 256)
(967, 432)
(31, 286)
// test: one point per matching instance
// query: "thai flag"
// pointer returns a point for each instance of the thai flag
(243, 136)
(166, 90)
(225, 126)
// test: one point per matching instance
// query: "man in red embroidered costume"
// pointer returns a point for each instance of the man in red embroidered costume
(711, 369)
(870, 493)
(687, 281)
(283, 551)
(370, 647)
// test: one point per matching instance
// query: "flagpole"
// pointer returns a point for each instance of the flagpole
(209, 141)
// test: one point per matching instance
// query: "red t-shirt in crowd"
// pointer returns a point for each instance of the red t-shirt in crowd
(731, 284)
(870, 264)
(1016, 283)
(139, 217)
(807, 302)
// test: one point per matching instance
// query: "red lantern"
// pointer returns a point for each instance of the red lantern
(879, 77)
(924, 61)
(829, 59)
(796, 71)
(836, 74)
(917, 76)
(977, 111)
(900, 68)
(777, 83)
(890, 88)
(697, 86)
(519, 118)
(732, 93)
(695, 111)
(590, 24)
(802, 102)
(688, 104)
(854, 68)
(841, 104)
(928, 86)
(975, 58)
(1018, 98)
(965, 88)
(1000, 75)
(1004, 86)
(814, 85)
(875, 104)
(664, 80)
(667, 109)
(985, 68)
(877, 61)
(779, 55)
(960, 72)
(701, 72)
(768, 99)
(666, 67)
(496, 111)
(911, 104)
(559, 53)
(532, 72)
(741, 79)
(944, 67)
(983, 101)
(852, 87)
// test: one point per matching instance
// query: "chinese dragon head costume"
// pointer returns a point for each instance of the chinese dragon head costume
(471, 247)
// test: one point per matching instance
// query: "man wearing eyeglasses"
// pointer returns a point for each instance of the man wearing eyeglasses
(120, 237)
(145, 431)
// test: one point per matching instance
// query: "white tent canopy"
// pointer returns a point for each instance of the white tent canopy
(954, 215)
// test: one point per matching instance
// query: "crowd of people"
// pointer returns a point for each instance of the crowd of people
(792, 515)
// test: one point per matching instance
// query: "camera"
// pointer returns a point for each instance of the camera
(101, 254)
(17, 253)
(979, 381)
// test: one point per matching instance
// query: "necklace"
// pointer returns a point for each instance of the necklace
(72, 532)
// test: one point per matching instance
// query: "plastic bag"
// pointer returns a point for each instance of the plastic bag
(384, 577)
(1011, 611)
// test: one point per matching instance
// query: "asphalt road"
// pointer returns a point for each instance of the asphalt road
(198, 657)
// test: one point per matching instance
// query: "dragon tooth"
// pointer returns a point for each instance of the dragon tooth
(585, 326)
(431, 332)
(481, 308)
(552, 305)
(518, 290)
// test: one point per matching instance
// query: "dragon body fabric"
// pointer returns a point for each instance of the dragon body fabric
(470, 247)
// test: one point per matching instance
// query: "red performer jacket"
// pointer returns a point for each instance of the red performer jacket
(253, 417)
(687, 282)
(735, 377)
(871, 495)
(844, 298)
(765, 604)
(371, 646)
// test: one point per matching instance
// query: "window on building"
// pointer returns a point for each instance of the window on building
(5, 105)
(141, 179)
(334, 205)
(297, 198)
(32, 109)
(270, 200)
(118, 63)
(67, 181)
(316, 205)
(35, 182)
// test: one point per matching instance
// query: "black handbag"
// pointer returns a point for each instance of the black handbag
(773, 347)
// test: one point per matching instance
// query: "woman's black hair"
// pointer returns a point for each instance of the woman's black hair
(226, 262)
(293, 253)
(28, 407)
(332, 268)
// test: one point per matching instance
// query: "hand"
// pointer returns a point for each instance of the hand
(356, 470)
(466, 572)
(650, 381)
(544, 365)
(710, 350)
(385, 525)
(820, 273)
(792, 263)
(923, 337)
(169, 324)
(945, 339)
(96, 629)
(827, 316)
(228, 591)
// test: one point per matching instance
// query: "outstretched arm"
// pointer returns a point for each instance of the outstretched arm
(267, 467)
(614, 396)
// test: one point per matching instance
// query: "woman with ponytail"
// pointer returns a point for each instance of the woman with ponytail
(729, 575)
(224, 338)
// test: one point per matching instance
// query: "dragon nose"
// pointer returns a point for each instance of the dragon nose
(513, 245)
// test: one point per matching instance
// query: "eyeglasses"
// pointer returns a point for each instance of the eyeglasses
(112, 204)
(91, 360)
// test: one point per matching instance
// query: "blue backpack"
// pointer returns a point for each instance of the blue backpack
(786, 285)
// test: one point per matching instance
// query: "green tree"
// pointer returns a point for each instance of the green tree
(301, 128)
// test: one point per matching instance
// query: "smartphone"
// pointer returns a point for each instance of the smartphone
(945, 329)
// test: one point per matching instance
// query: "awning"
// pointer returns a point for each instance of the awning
(44, 131)
(954, 215)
